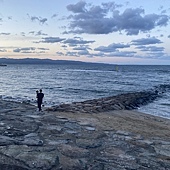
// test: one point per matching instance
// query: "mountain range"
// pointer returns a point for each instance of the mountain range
(41, 61)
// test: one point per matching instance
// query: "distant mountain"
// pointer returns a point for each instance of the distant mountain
(41, 61)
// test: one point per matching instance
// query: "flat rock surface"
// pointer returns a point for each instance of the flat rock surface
(111, 140)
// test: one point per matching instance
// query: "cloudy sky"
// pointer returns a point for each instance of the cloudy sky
(120, 31)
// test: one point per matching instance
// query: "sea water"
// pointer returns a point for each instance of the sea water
(69, 83)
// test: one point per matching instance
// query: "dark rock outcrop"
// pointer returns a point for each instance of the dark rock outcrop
(127, 101)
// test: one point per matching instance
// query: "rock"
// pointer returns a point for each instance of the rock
(41, 158)
(72, 164)
(88, 143)
(77, 141)
(5, 140)
(32, 140)
(73, 151)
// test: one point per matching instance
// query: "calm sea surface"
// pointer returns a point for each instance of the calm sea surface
(69, 83)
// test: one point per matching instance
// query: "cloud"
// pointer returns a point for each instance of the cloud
(39, 19)
(24, 50)
(22, 33)
(122, 54)
(3, 50)
(54, 16)
(30, 50)
(51, 40)
(75, 42)
(106, 18)
(111, 47)
(4, 33)
(69, 53)
(77, 8)
(60, 53)
(146, 41)
(64, 46)
(81, 48)
(151, 48)
(40, 33)
(10, 18)
(156, 55)
(45, 49)
(84, 52)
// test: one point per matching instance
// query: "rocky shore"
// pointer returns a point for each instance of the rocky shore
(127, 101)
(101, 134)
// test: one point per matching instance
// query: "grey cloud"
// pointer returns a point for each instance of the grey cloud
(151, 48)
(38, 33)
(80, 48)
(39, 19)
(54, 16)
(111, 47)
(10, 18)
(64, 46)
(43, 20)
(122, 54)
(100, 54)
(45, 49)
(4, 33)
(23, 33)
(146, 41)
(24, 50)
(84, 52)
(17, 50)
(72, 54)
(60, 53)
(34, 18)
(155, 55)
(96, 19)
(30, 50)
(76, 42)
(168, 36)
(51, 40)
(77, 8)
(27, 52)
(31, 32)
(3, 50)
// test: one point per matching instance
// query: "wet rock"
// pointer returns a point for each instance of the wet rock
(72, 164)
(86, 143)
(127, 101)
(32, 140)
(73, 151)
(90, 128)
(5, 140)
(34, 158)
(163, 150)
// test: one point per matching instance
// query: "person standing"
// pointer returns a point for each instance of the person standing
(40, 96)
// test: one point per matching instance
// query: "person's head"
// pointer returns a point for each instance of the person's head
(40, 90)
(37, 91)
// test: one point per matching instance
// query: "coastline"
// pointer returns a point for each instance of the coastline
(119, 139)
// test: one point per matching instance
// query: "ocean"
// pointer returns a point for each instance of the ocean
(79, 82)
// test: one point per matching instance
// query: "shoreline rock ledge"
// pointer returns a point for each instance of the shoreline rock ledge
(113, 139)
(128, 101)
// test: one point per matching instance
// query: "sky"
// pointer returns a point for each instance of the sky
(115, 32)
